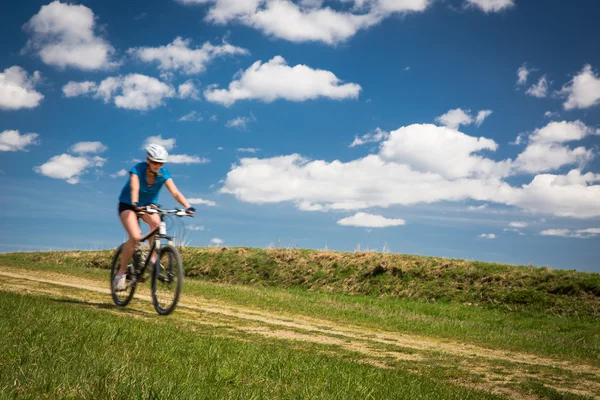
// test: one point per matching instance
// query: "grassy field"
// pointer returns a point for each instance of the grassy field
(352, 327)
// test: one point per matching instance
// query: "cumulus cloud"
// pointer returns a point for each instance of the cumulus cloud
(192, 116)
(120, 173)
(208, 203)
(308, 20)
(188, 90)
(522, 74)
(488, 236)
(583, 91)
(372, 137)
(14, 141)
(546, 151)
(519, 224)
(181, 56)
(133, 91)
(63, 36)
(416, 164)
(240, 122)
(490, 6)
(68, 167)
(540, 89)
(444, 151)
(570, 233)
(216, 241)
(88, 147)
(17, 89)
(276, 80)
(186, 159)
(248, 150)
(370, 221)
(457, 117)
(168, 144)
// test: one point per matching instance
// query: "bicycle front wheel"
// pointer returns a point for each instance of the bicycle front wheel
(167, 280)
(122, 297)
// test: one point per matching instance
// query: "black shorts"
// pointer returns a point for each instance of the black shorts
(125, 206)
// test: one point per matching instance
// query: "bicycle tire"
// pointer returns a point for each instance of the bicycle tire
(116, 265)
(161, 277)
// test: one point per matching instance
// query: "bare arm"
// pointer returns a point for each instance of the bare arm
(135, 188)
(177, 195)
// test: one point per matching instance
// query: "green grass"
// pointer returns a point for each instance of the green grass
(54, 348)
(568, 336)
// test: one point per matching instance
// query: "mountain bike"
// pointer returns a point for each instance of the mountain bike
(166, 272)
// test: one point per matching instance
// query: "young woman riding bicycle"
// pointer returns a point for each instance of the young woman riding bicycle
(142, 189)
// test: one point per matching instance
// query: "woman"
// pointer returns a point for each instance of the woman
(142, 188)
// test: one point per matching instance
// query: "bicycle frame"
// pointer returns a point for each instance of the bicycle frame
(158, 235)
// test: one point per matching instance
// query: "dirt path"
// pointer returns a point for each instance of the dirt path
(493, 370)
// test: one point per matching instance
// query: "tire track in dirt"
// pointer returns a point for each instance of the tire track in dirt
(370, 343)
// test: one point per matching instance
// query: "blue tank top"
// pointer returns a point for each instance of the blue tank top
(148, 193)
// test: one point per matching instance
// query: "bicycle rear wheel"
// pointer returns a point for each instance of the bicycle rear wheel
(167, 280)
(122, 298)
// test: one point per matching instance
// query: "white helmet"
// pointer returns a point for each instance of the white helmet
(156, 152)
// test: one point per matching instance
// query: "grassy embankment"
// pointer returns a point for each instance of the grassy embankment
(539, 311)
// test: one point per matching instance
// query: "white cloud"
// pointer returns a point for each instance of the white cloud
(14, 141)
(88, 147)
(248, 150)
(180, 56)
(63, 36)
(474, 208)
(74, 89)
(488, 236)
(522, 74)
(202, 201)
(545, 151)
(186, 159)
(17, 89)
(370, 220)
(214, 118)
(276, 80)
(518, 224)
(550, 114)
(569, 233)
(192, 116)
(216, 241)
(120, 173)
(168, 144)
(195, 227)
(443, 151)
(489, 6)
(133, 91)
(68, 167)
(540, 89)
(416, 164)
(456, 117)
(583, 90)
(481, 116)
(188, 90)
(373, 137)
(307, 21)
(572, 195)
(240, 122)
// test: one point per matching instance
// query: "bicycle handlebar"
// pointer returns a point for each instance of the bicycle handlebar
(180, 212)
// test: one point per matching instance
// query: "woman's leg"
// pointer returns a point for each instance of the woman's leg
(153, 221)
(131, 225)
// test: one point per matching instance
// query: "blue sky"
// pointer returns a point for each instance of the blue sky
(458, 128)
